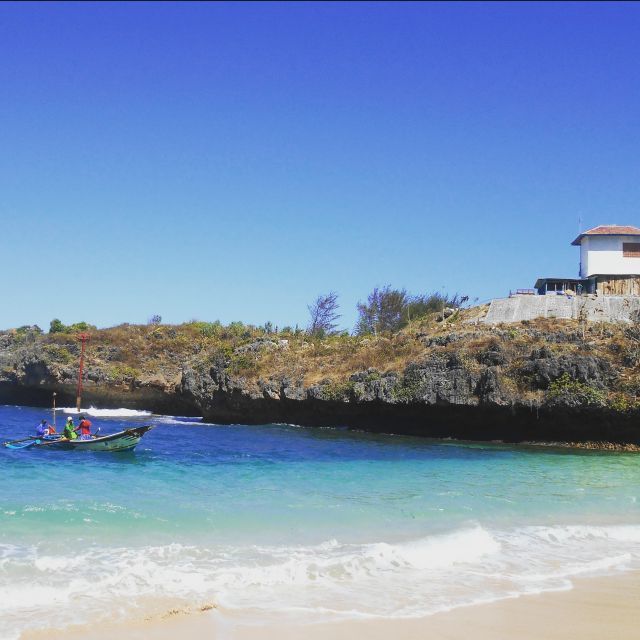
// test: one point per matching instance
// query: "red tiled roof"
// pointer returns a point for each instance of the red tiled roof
(608, 230)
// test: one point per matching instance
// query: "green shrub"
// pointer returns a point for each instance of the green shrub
(80, 327)
(407, 389)
(242, 363)
(337, 391)
(565, 390)
(56, 326)
(28, 328)
(123, 371)
(59, 354)
(210, 329)
(621, 403)
(206, 329)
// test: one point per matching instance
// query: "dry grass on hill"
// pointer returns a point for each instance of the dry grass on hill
(130, 351)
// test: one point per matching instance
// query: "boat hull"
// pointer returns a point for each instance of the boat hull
(122, 441)
(22, 445)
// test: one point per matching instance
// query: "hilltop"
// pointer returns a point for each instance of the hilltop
(541, 380)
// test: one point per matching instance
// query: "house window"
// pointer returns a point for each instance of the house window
(631, 249)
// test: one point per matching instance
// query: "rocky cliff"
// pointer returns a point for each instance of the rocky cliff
(536, 381)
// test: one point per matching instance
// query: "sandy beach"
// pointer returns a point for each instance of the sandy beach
(596, 608)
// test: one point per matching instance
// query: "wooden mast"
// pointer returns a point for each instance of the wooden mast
(83, 337)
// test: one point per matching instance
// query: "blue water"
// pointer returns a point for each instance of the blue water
(282, 518)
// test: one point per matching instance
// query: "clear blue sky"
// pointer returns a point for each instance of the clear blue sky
(232, 161)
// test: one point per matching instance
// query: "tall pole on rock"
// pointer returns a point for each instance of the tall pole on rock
(83, 337)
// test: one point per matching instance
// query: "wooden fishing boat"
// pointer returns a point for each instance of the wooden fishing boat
(125, 440)
(120, 441)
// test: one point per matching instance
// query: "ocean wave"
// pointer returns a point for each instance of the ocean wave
(178, 420)
(563, 534)
(401, 579)
(106, 413)
(440, 551)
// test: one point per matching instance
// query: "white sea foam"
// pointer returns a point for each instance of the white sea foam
(106, 413)
(178, 420)
(441, 551)
(379, 579)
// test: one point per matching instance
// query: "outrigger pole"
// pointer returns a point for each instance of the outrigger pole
(54, 409)
(83, 337)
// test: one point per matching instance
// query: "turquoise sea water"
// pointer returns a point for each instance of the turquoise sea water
(296, 521)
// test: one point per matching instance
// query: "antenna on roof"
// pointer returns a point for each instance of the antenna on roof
(579, 225)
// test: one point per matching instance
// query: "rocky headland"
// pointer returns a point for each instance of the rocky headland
(537, 381)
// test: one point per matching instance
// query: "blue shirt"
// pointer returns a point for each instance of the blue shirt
(42, 430)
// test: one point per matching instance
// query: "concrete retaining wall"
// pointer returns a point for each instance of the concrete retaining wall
(593, 308)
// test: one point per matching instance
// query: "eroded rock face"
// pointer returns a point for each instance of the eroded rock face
(544, 368)
(490, 392)
(371, 386)
(437, 381)
(493, 356)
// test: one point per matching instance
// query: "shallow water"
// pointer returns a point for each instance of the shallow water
(299, 521)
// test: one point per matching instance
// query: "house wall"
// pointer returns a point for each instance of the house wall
(584, 257)
(618, 286)
(603, 255)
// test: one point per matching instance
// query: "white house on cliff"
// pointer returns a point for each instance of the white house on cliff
(609, 264)
(607, 287)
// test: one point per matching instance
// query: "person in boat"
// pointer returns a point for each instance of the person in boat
(70, 430)
(43, 429)
(84, 426)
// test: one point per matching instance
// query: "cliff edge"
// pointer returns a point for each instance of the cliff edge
(539, 380)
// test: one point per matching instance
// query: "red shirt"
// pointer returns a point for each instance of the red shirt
(85, 427)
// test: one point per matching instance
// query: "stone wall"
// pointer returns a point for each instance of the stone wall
(592, 308)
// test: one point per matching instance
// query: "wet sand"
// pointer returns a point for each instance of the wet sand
(596, 608)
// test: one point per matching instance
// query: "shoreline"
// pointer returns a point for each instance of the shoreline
(586, 445)
(594, 608)
(543, 381)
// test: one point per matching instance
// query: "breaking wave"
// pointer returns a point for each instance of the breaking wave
(178, 420)
(106, 413)
(331, 580)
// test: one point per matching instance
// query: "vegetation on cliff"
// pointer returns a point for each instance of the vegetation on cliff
(227, 371)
